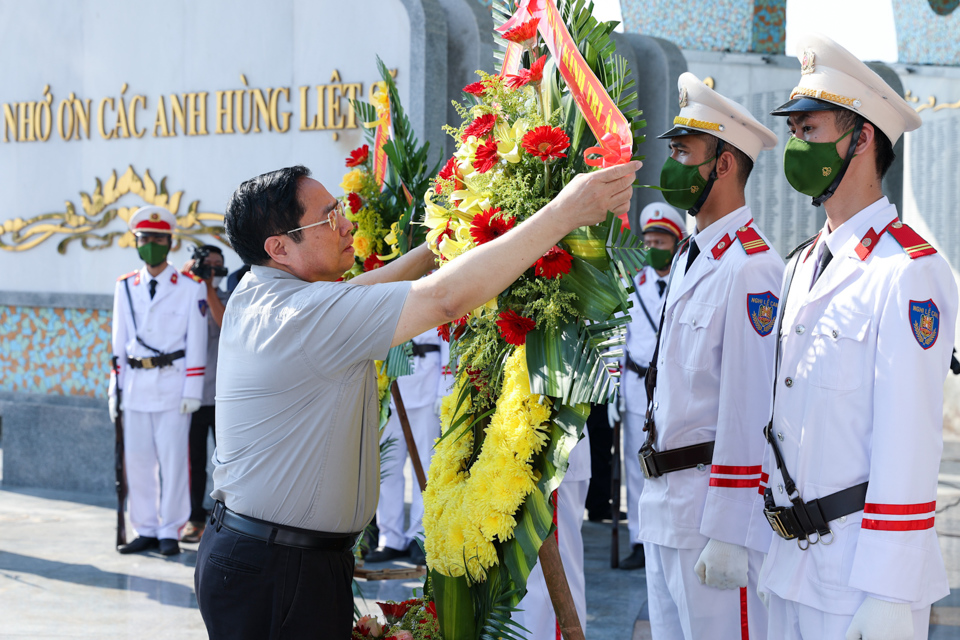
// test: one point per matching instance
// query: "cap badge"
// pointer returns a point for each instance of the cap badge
(683, 97)
(656, 214)
(807, 63)
(154, 217)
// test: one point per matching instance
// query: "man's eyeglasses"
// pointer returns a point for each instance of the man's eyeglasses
(332, 219)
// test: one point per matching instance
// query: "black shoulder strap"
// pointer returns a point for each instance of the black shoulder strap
(653, 325)
(803, 245)
(133, 316)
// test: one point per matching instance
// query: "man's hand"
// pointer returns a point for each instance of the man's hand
(589, 196)
(114, 407)
(189, 405)
(722, 565)
(881, 620)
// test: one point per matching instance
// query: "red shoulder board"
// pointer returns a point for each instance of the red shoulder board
(910, 240)
(643, 278)
(127, 275)
(722, 246)
(173, 278)
(193, 276)
(751, 240)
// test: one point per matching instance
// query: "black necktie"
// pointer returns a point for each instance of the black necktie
(153, 288)
(692, 254)
(661, 286)
(825, 259)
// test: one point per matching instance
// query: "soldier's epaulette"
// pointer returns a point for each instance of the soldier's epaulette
(800, 247)
(192, 276)
(751, 240)
(127, 275)
(910, 240)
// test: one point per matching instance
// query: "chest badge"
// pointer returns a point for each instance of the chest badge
(925, 321)
(762, 311)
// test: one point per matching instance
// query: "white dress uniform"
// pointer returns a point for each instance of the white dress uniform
(537, 614)
(647, 298)
(866, 347)
(156, 434)
(713, 385)
(430, 380)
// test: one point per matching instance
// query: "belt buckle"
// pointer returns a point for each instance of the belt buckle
(147, 363)
(776, 523)
(647, 464)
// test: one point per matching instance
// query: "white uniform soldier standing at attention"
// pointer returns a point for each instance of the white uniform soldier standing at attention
(160, 343)
(710, 383)
(867, 326)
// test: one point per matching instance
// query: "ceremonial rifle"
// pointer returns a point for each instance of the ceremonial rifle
(118, 464)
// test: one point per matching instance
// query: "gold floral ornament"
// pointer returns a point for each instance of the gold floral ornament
(90, 225)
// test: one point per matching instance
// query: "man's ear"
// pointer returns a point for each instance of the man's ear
(867, 138)
(276, 248)
(726, 164)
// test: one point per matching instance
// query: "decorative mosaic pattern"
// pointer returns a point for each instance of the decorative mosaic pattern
(720, 25)
(924, 34)
(55, 351)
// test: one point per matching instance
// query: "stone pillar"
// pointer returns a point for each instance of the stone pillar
(426, 107)
(655, 64)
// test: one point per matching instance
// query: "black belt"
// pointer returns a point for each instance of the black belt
(633, 366)
(656, 463)
(421, 350)
(154, 362)
(278, 534)
(804, 519)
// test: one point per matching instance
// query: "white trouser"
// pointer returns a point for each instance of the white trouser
(425, 426)
(537, 613)
(683, 609)
(156, 445)
(633, 438)
(791, 620)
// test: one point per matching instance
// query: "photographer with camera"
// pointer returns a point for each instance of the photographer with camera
(206, 264)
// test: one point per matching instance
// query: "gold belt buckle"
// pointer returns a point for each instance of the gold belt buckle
(773, 517)
(147, 363)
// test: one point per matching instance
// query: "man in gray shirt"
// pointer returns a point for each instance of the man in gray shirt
(297, 458)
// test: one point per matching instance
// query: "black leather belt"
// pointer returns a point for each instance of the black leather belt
(278, 534)
(637, 369)
(155, 362)
(804, 519)
(656, 463)
(421, 350)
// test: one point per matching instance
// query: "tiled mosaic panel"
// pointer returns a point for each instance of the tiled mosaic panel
(923, 36)
(720, 25)
(55, 351)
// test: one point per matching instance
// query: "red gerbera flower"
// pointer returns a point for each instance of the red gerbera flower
(546, 142)
(358, 156)
(396, 610)
(533, 75)
(487, 226)
(480, 127)
(355, 202)
(555, 263)
(486, 156)
(372, 262)
(450, 170)
(431, 608)
(475, 88)
(514, 327)
(444, 332)
(526, 31)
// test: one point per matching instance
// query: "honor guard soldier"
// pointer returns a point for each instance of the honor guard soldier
(866, 330)
(662, 228)
(422, 392)
(160, 345)
(709, 383)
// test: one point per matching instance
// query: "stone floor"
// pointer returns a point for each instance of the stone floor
(60, 576)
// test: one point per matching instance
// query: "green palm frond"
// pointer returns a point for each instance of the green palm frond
(399, 360)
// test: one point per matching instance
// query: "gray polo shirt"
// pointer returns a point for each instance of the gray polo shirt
(297, 419)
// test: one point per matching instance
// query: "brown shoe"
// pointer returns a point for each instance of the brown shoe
(192, 531)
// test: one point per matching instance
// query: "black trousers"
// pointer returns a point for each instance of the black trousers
(202, 421)
(601, 457)
(251, 590)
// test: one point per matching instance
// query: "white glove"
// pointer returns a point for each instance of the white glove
(189, 405)
(722, 565)
(613, 413)
(881, 620)
(438, 406)
(114, 407)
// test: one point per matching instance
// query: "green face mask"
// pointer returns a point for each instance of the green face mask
(153, 254)
(681, 184)
(811, 167)
(659, 259)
